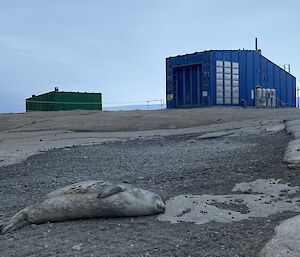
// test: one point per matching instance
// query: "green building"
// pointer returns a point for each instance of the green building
(57, 101)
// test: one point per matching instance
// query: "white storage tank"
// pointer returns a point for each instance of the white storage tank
(263, 102)
(273, 98)
(258, 94)
(268, 99)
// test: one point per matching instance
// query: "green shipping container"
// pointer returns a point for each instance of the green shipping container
(58, 101)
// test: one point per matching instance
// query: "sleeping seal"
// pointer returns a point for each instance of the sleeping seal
(88, 199)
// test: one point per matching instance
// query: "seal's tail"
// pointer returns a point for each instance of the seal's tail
(17, 221)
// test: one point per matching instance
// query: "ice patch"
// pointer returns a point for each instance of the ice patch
(261, 198)
(266, 186)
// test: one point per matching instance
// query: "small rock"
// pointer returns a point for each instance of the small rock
(77, 247)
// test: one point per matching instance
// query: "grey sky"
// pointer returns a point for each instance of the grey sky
(119, 47)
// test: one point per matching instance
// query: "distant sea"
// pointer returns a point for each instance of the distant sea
(135, 107)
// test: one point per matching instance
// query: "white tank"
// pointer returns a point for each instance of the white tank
(263, 98)
(273, 97)
(268, 99)
(258, 94)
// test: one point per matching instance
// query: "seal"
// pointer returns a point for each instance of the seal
(88, 199)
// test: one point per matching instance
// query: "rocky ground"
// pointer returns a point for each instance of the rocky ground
(168, 165)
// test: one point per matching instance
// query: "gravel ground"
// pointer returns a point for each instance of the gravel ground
(169, 166)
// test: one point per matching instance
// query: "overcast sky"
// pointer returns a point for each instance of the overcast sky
(119, 47)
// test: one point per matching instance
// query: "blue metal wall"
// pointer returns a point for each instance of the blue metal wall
(188, 81)
(192, 79)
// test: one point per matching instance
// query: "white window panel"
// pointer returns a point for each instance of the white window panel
(235, 71)
(227, 82)
(219, 75)
(235, 83)
(220, 94)
(235, 95)
(235, 89)
(227, 94)
(227, 76)
(220, 69)
(236, 101)
(227, 70)
(235, 65)
(220, 88)
(228, 100)
(235, 77)
(227, 64)
(220, 63)
(227, 89)
(219, 82)
(220, 100)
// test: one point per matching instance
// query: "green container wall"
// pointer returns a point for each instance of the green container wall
(57, 101)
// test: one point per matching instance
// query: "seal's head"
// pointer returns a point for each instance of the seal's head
(147, 203)
(158, 204)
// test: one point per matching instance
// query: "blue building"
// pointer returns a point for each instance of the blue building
(225, 77)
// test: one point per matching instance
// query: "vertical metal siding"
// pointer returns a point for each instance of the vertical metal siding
(257, 69)
(264, 73)
(294, 91)
(180, 85)
(199, 84)
(213, 84)
(289, 87)
(187, 95)
(270, 75)
(175, 97)
(194, 82)
(187, 86)
(250, 78)
(235, 56)
(243, 75)
(227, 56)
(206, 85)
(277, 81)
(282, 95)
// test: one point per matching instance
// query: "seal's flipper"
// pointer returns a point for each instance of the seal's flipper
(17, 221)
(110, 191)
